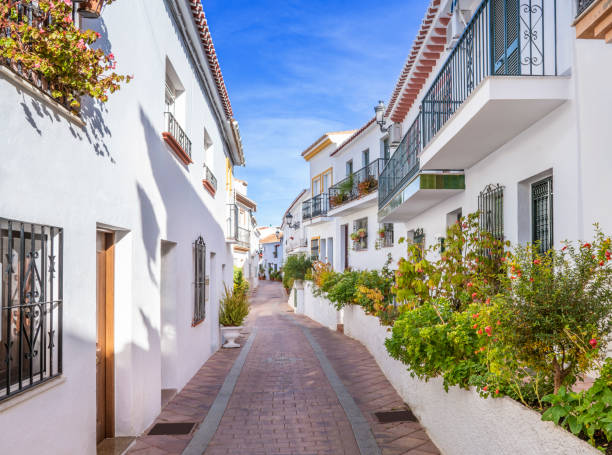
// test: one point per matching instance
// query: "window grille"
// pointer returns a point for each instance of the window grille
(31, 297)
(362, 242)
(199, 310)
(314, 249)
(418, 237)
(542, 214)
(385, 238)
(491, 210)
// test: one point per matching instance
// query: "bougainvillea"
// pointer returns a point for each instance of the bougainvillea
(41, 40)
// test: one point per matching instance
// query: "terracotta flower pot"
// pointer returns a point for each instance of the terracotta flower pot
(91, 8)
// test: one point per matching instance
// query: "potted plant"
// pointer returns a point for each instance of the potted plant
(355, 236)
(91, 8)
(233, 310)
(368, 185)
(381, 233)
(361, 233)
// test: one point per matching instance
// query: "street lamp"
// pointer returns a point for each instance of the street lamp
(289, 219)
(379, 109)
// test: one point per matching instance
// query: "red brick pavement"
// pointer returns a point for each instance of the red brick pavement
(282, 402)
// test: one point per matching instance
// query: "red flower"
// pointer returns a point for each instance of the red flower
(474, 316)
(536, 261)
(475, 326)
(586, 245)
(470, 284)
(601, 262)
(498, 322)
(564, 248)
(531, 279)
(593, 343)
(485, 388)
(488, 329)
(480, 332)
(474, 294)
(496, 391)
(482, 348)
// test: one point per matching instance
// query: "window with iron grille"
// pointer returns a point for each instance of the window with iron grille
(199, 307)
(385, 236)
(31, 305)
(418, 237)
(542, 214)
(360, 228)
(314, 249)
(491, 210)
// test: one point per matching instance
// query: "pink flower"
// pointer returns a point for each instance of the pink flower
(593, 343)
(36, 65)
(68, 3)
(111, 56)
(67, 19)
(81, 44)
(98, 35)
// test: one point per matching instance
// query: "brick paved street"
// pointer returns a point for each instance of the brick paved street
(283, 402)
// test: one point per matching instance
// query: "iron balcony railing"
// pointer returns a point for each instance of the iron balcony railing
(316, 206)
(503, 38)
(177, 133)
(582, 6)
(358, 184)
(210, 177)
(403, 164)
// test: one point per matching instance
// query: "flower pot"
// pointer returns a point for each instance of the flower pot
(229, 336)
(362, 234)
(90, 8)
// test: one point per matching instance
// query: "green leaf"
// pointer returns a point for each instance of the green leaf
(574, 425)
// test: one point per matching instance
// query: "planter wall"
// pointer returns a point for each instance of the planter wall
(319, 309)
(459, 422)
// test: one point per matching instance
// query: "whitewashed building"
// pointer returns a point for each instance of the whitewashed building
(271, 248)
(295, 240)
(243, 233)
(499, 107)
(113, 234)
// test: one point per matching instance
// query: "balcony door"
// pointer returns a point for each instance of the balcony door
(105, 387)
(505, 26)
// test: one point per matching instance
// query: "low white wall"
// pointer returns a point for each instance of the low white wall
(459, 422)
(319, 308)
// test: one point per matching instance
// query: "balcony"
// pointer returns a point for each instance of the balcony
(405, 190)
(500, 78)
(210, 181)
(594, 20)
(315, 207)
(234, 233)
(356, 191)
(177, 140)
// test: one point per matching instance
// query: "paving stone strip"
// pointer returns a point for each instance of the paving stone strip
(208, 428)
(361, 427)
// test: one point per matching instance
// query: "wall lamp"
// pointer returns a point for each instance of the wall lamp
(289, 219)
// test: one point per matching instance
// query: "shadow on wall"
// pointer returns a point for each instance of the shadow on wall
(150, 231)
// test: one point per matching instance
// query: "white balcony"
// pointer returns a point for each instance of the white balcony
(498, 110)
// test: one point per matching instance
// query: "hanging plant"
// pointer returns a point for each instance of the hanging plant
(49, 48)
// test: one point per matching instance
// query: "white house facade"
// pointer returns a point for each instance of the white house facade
(271, 247)
(295, 240)
(499, 108)
(244, 235)
(113, 234)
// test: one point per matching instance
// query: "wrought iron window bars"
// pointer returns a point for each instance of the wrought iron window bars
(199, 307)
(31, 305)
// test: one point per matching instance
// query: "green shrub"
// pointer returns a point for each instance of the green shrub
(241, 286)
(234, 308)
(297, 266)
(587, 413)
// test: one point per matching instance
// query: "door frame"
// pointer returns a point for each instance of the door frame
(109, 335)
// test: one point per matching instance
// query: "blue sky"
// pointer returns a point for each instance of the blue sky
(296, 69)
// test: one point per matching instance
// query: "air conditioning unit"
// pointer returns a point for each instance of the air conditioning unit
(457, 24)
(396, 133)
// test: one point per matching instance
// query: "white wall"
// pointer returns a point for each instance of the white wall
(117, 171)
(319, 309)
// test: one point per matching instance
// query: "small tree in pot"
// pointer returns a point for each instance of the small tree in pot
(232, 313)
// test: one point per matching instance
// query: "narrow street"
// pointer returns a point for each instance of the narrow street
(296, 388)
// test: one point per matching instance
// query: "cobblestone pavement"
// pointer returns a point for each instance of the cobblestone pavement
(283, 401)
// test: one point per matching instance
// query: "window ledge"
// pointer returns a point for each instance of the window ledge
(31, 393)
(176, 148)
(197, 323)
(208, 186)
(35, 92)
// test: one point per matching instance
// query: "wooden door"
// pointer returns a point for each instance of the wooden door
(105, 336)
